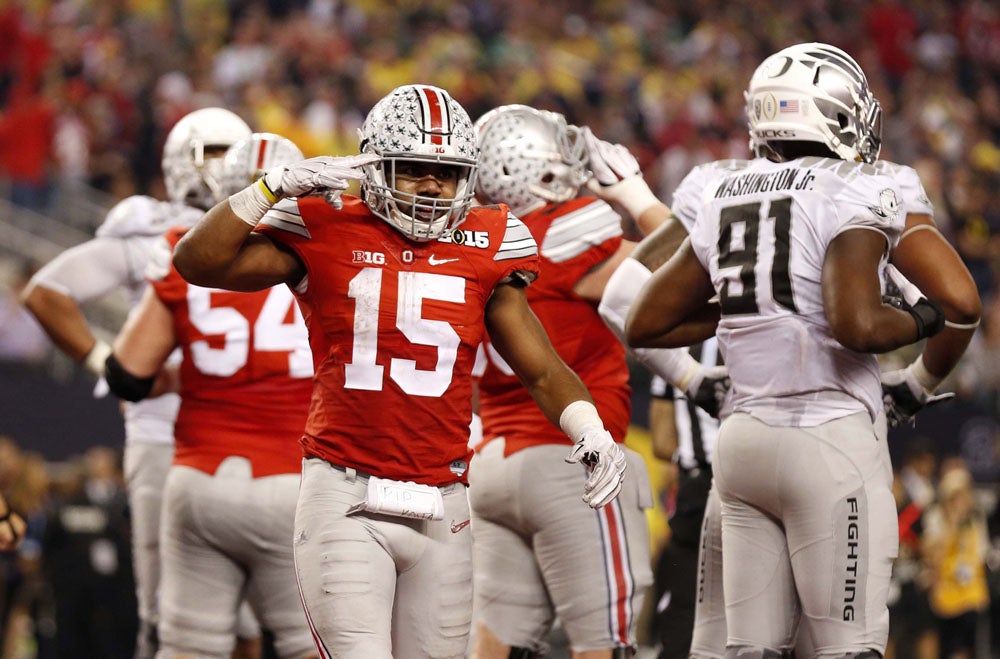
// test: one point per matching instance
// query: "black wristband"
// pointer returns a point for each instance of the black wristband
(125, 385)
(928, 316)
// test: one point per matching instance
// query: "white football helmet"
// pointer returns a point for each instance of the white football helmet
(248, 159)
(528, 158)
(191, 175)
(424, 124)
(814, 92)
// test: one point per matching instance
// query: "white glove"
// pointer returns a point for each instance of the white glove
(323, 175)
(609, 163)
(617, 176)
(605, 459)
(320, 175)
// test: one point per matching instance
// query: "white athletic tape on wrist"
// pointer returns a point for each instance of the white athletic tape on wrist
(634, 196)
(924, 378)
(579, 417)
(252, 202)
(94, 361)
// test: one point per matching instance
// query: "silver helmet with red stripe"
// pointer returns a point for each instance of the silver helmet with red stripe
(248, 159)
(419, 124)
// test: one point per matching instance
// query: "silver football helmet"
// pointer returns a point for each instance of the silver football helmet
(193, 175)
(814, 92)
(528, 158)
(418, 123)
(248, 159)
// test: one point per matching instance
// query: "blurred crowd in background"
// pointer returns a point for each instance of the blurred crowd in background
(90, 88)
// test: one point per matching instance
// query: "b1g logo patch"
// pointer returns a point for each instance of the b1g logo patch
(477, 239)
(369, 258)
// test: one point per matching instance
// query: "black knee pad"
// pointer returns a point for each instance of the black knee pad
(523, 653)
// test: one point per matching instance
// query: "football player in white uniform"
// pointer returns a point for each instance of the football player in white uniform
(116, 258)
(794, 245)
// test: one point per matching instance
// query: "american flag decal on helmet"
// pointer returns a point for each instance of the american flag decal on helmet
(435, 112)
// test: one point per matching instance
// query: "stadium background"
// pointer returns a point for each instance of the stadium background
(89, 89)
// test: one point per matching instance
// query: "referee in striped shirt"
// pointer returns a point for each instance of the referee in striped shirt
(684, 434)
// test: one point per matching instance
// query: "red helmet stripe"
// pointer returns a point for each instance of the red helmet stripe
(261, 151)
(435, 107)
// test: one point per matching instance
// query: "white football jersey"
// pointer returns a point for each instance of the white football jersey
(139, 215)
(687, 196)
(762, 233)
(117, 259)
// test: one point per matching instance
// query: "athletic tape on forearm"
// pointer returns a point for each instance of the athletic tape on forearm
(675, 365)
(252, 202)
(579, 417)
(962, 326)
(620, 292)
(94, 361)
(634, 195)
(925, 378)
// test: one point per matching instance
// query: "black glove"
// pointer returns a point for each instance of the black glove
(708, 389)
(903, 396)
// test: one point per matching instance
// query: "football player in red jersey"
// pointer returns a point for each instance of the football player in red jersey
(536, 554)
(114, 260)
(397, 288)
(245, 384)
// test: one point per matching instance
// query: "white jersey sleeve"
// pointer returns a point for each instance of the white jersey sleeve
(95, 268)
(144, 216)
(915, 199)
(762, 235)
(688, 195)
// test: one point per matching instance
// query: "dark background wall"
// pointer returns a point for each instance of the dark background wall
(57, 418)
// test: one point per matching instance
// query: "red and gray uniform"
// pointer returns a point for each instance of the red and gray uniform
(394, 326)
(523, 508)
(229, 501)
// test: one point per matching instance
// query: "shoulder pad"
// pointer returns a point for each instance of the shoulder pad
(145, 216)
(582, 225)
(517, 241)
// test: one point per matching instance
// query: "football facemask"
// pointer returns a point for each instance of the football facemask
(414, 125)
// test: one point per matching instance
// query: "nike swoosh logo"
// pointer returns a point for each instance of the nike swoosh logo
(435, 261)
(456, 527)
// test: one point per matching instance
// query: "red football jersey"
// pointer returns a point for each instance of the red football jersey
(246, 378)
(573, 237)
(394, 325)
